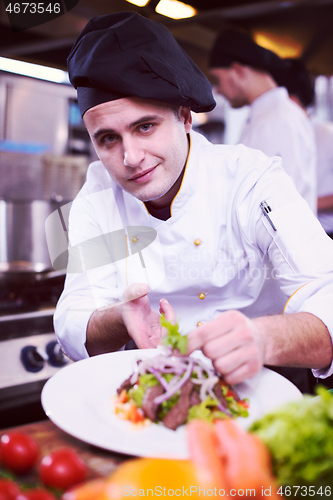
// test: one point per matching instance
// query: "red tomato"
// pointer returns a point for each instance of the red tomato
(9, 490)
(63, 468)
(36, 494)
(18, 452)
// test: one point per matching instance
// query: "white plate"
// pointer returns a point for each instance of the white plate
(79, 400)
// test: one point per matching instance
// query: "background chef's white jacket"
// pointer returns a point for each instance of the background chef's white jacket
(324, 141)
(279, 127)
(217, 251)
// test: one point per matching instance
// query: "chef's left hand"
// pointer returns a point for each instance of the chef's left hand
(233, 342)
(143, 323)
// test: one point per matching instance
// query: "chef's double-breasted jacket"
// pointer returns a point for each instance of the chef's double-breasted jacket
(219, 250)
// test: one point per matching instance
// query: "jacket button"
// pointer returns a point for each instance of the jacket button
(199, 323)
(135, 239)
(202, 296)
(197, 242)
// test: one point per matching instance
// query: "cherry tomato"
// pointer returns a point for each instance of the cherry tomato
(9, 490)
(18, 452)
(62, 468)
(37, 494)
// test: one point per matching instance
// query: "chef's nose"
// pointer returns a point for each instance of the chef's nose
(133, 153)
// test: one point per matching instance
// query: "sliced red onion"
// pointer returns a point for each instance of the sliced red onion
(182, 368)
(170, 364)
(224, 410)
(208, 384)
(198, 370)
(208, 369)
(199, 381)
(219, 404)
(160, 379)
(173, 381)
(134, 378)
(177, 370)
(171, 369)
(175, 387)
(155, 362)
(135, 374)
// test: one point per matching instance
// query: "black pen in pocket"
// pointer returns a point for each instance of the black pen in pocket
(266, 209)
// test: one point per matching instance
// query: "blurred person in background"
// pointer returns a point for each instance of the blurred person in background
(297, 80)
(245, 74)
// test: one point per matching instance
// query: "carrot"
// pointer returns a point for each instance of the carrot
(247, 459)
(265, 463)
(202, 443)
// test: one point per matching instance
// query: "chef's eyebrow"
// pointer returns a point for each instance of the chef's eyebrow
(143, 119)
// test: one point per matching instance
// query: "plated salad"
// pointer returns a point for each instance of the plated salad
(173, 389)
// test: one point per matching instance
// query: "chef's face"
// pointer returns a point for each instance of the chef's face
(142, 144)
(227, 82)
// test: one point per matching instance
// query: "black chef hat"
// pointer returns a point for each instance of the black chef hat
(124, 54)
(232, 45)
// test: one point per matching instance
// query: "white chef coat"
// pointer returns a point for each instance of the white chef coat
(219, 251)
(324, 142)
(279, 127)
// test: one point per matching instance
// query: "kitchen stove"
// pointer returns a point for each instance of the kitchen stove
(29, 352)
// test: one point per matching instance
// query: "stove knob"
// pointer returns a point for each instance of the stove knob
(55, 354)
(32, 359)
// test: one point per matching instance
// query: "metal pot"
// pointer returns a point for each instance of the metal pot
(32, 187)
(23, 246)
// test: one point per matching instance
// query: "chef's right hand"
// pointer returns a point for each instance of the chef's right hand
(233, 342)
(143, 323)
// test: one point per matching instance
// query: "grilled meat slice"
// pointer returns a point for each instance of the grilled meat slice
(179, 412)
(148, 407)
(194, 398)
(126, 385)
(219, 394)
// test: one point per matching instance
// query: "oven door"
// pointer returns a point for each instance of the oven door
(29, 356)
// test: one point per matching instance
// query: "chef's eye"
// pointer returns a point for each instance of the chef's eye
(108, 139)
(146, 127)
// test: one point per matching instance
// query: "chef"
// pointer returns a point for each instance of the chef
(246, 74)
(209, 235)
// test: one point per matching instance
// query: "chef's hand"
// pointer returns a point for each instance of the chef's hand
(233, 342)
(142, 322)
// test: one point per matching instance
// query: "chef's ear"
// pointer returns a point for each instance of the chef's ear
(186, 117)
(239, 69)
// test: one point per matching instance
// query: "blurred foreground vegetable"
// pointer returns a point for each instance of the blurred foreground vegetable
(203, 449)
(18, 452)
(143, 477)
(300, 437)
(62, 468)
(36, 494)
(244, 460)
(9, 490)
(225, 461)
(59, 470)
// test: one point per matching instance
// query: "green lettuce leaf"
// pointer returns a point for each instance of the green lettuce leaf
(206, 410)
(137, 392)
(174, 337)
(167, 405)
(299, 436)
